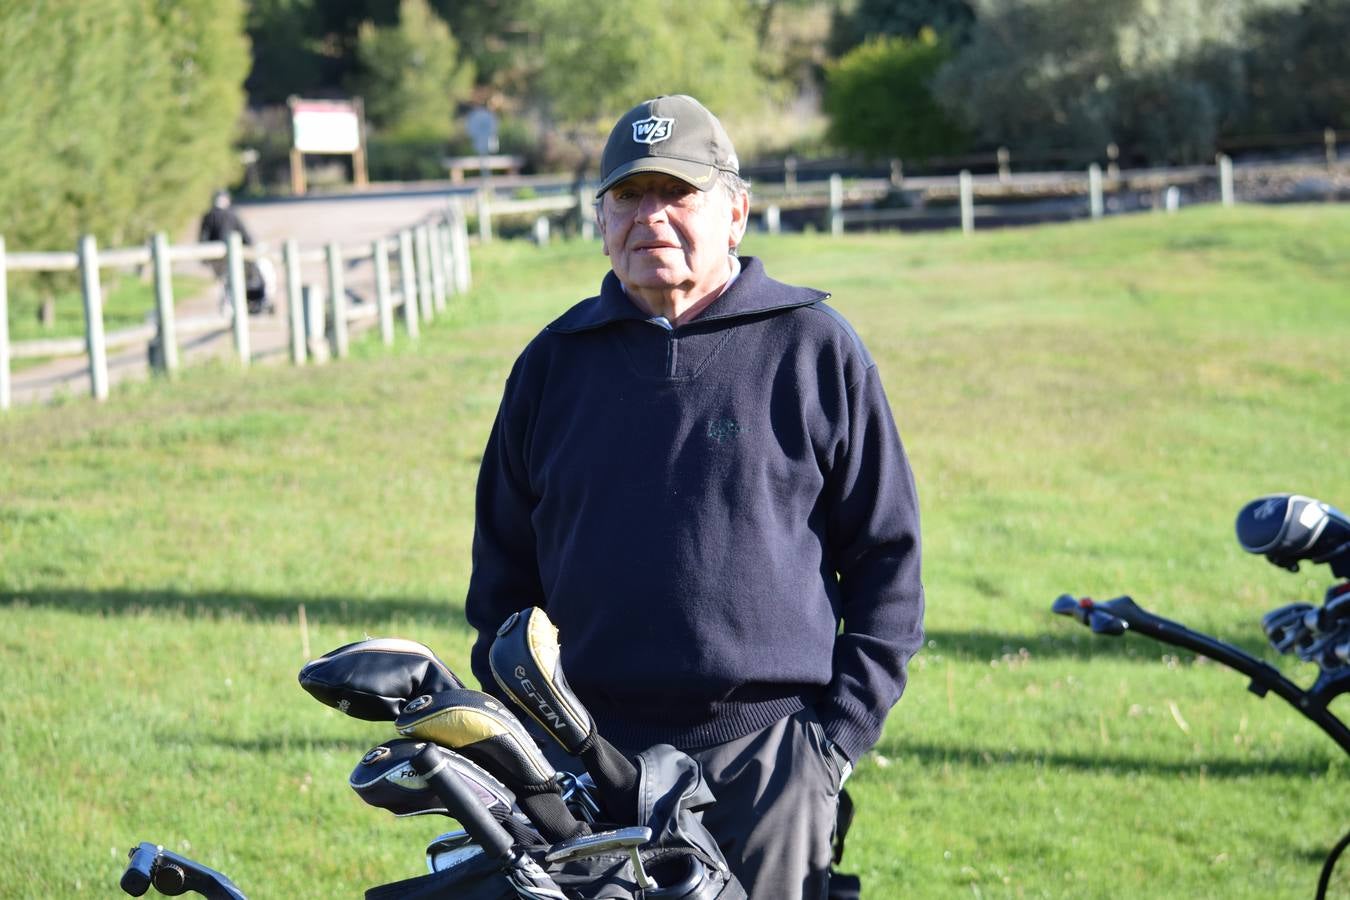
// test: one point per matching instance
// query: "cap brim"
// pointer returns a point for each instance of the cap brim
(699, 175)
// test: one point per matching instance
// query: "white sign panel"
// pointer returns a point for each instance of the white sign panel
(325, 127)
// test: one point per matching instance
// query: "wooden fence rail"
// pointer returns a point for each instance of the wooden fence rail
(433, 262)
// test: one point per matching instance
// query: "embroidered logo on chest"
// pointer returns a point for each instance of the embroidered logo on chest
(723, 430)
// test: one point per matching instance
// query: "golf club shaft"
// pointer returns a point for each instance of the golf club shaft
(460, 802)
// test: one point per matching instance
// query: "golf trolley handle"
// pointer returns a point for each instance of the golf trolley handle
(460, 802)
(153, 866)
(1115, 617)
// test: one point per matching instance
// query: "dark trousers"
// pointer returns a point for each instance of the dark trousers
(777, 798)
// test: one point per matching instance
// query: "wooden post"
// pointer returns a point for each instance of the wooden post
(436, 259)
(897, 174)
(789, 174)
(1172, 198)
(484, 218)
(295, 301)
(315, 333)
(836, 205)
(93, 318)
(382, 300)
(359, 156)
(337, 286)
(297, 172)
(967, 188)
(585, 215)
(1113, 161)
(4, 328)
(773, 219)
(1004, 165)
(1225, 179)
(234, 262)
(1095, 190)
(421, 257)
(447, 245)
(168, 333)
(407, 283)
(1329, 142)
(460, 232)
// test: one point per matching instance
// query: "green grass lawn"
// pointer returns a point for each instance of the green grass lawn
(1086, 407)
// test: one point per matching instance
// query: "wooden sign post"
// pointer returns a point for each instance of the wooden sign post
(331, 127)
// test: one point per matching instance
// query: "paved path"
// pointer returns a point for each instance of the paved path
(313, 222)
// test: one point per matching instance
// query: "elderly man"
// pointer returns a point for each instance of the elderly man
(697, 475)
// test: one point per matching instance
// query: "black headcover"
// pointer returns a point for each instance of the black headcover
(373, 679)
(385, 778)
(1291, 528)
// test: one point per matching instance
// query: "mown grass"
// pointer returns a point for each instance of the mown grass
(1086, 408)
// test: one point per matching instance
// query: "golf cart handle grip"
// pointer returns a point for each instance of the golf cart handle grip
(1097, 618)
(136, 879)
(460, 802)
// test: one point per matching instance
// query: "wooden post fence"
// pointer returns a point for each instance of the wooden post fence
(1095, 205)
(436, 255)
(967, 188)
(421, 254)
(4, 328)
(836, 205)
(167, 336)
(93, 318)
(234, 260)
(337, 288)
(407, 283)
(295, 301)
(383, 301)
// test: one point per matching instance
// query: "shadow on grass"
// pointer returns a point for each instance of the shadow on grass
(250, 607)
(1063, 638)
(1060, 639)
(1110, 763)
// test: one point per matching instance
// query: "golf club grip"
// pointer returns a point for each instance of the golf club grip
(461, 803)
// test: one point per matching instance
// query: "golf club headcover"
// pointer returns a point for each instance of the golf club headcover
(477, 726)
(373, 679)
(386, 778)
(526, 663)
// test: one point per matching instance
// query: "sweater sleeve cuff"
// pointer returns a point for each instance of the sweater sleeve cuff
(852, 728)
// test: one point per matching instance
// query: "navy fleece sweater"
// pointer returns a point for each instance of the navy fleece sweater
(698, 509)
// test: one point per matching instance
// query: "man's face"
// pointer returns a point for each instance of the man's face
(662, 234)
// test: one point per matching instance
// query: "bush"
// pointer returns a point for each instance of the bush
(879, 103)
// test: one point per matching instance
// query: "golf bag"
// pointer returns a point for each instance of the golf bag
(681, 856)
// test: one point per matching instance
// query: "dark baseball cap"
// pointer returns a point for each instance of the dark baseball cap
(673, 135)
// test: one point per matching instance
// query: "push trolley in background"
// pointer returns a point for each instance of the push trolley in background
(1287, 529)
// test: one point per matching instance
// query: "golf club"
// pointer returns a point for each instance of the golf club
(373, 679)
(476, 725)
(526, 662)
(527, 878)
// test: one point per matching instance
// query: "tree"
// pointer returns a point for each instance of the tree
(119, 115)
(879, 102)
(869, 19)
(412, 75)
(1071, 76)
(597, 58)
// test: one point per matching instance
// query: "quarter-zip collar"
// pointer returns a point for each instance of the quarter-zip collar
(752, 293)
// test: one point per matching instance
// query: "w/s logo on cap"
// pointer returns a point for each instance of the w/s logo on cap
(652, 130)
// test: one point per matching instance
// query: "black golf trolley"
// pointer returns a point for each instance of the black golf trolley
(1287, 529)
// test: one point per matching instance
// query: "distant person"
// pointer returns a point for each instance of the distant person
(218, 224)
(221, 219)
